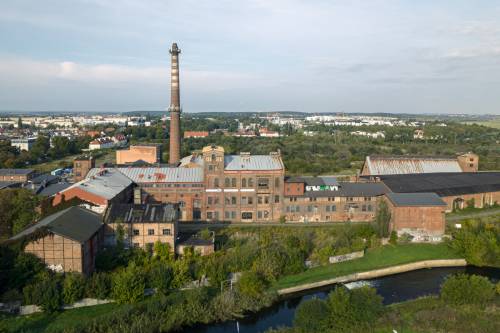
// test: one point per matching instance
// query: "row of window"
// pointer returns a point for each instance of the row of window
(244, 200)
(231, 182)
(151, 232)
(231, 215)
(327, 208)
(314, 199)
(162, 185)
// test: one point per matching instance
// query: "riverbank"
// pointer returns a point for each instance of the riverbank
(379, 258)
(377, 273)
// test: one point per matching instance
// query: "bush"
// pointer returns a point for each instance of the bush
(73, 287)
(252, 284)
(46, 293)
(310, 315)
(464, 289)
(357, 308)
(99, 286)
(128, 285)
(394, 238)
(160, 277)
(497, 288)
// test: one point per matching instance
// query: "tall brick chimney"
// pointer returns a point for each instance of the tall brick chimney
(175, 108)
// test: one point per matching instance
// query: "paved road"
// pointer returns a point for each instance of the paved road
(485, 213)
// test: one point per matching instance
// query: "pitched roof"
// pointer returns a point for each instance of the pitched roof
(6, 172)
(142, 213)
(444, 184)
(76, 223)
(197, 159)
(395, 165)
(415, 199)
(156, 174)
(252, 162)
(106, 183)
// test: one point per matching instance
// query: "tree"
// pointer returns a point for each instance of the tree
(73, 287)
(17, 210)
(99, 286)
(160, 277)
(465, 289)
(163, 252)
(393, 239)
(310, 315)
(128, 284)
(252, 284)
(382, 219)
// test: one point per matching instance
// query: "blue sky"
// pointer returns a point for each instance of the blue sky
(260, 55)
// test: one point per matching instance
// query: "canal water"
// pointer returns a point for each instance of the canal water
(393, 288)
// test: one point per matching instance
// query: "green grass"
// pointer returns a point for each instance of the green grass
(41, 322)
(429, 314)
(382, 257)
(491, 123)
(108, 157)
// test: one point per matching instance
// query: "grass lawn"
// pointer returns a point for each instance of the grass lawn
(385, 256)
(429, 314)
(41, 322)
(108, 157)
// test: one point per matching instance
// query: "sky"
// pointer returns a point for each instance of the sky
(425, 56)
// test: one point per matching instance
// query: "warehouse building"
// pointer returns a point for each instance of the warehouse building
(457, 190)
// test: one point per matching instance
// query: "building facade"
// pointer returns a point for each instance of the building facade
(149, 153)
(82, 166)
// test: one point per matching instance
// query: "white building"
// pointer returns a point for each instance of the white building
(23, 143)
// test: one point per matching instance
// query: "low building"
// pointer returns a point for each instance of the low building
(23, 143)
(101, 188)
(19, 175)
(148, 153)
(458, 190)
(195, 134)
(67, 241)
(420, 215)
(265, 132)
(199, 245)
(142, 224)
(402, 165)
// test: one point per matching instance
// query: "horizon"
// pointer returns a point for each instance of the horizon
(251, 56)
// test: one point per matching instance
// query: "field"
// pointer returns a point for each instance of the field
(385, 256)
(105, 157)
(494, 123)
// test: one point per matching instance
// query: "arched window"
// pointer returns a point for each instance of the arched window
(243, 182)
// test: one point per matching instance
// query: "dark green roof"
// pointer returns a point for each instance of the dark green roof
(76, 223)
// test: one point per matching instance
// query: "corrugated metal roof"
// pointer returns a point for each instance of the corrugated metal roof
(158, 174)
(415, 199)
(396, 165)
(76, 223)
(252, 162)
(106, 183)
(444, 184)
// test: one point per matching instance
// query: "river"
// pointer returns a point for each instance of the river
(393, 288)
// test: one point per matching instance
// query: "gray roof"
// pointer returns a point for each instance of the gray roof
(6, 172)
(134, 213)
(314, 181)
(252, 162)
(157, 174)
(415, 199)
(197, 159)
(52, 189)
(106, 183)
(10, 184)
(76, 223)
(395, 165)
(348, 189)
(44, 178)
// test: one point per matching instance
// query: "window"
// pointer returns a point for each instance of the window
(210, 215)
(136, 232)
(214, 158)
(263, 183)
(363, 208)
(250, 182)
(243, 182)
(216, 182)
(276, 182)
(151, 232)
(246, 215)
(227, 182)
(209, 200)
(136, 245)
(233, 200)
(309, 208)
(211, 168)
(312, 199)
(331, 198)
(368, 199)
(327, 208)
(293, 199)
(369, 208)
(167, 232)
(276, 199)
(233, 182)
(471, 165)
(227, 215)
(250, 200)
(333, 208)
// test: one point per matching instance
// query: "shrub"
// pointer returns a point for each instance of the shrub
(51, 298)
(310, 315)
(252, 284)
(99, 286)
(394, 238)
(128, 285)
(497, 288)
(73, 287)
(464, 289)
(382, 219)
(160, 277)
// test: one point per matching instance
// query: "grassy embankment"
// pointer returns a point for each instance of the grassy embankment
(107, 157)
(382, 257)
(376, 258)
(429, 314)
